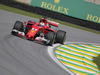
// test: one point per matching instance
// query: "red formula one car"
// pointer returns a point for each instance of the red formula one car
(45, 31)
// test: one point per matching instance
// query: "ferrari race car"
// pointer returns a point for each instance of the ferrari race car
(45, 31)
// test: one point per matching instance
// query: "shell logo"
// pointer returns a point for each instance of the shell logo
(32, 31)
(56, 1)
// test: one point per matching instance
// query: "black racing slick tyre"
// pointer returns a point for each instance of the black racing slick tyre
(60, 36)
(18, 26)
(29, 23)
(51, 37)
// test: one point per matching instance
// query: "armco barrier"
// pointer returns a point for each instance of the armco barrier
(51, 14)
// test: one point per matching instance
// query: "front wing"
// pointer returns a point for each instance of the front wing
(22, 34)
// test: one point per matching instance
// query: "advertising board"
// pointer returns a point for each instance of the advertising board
(82, 9)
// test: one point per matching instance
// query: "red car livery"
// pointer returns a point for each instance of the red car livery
(45, 31)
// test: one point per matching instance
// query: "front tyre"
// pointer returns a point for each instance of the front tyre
(51, 37)
(60, 36)
(18, 26)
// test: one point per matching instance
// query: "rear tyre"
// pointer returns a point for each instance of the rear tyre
(29, 23)
(18, 26)
(60, 36)
(50, 36)
(27, 29)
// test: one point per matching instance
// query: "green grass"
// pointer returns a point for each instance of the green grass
(18, 11)
(97, 61)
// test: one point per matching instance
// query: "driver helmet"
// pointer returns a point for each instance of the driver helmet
(42, 24)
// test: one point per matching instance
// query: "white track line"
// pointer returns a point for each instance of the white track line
(52, 54)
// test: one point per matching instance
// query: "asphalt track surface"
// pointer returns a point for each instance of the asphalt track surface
(23, 57)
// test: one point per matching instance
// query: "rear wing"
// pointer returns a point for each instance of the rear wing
(53, 23)
(50, 22)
